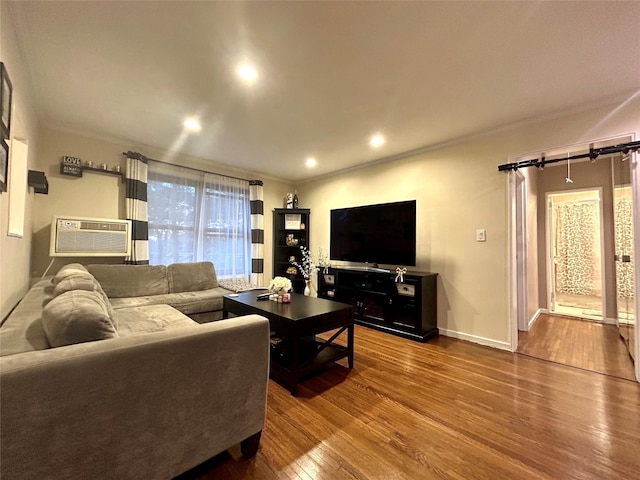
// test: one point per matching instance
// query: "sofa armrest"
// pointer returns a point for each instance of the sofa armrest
(147, 406)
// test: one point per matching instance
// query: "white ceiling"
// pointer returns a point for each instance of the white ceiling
(331, 73)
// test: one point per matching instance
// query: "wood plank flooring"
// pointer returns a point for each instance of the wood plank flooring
(447, 409)
(579, 343)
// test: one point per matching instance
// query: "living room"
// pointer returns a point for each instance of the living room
(455, 182)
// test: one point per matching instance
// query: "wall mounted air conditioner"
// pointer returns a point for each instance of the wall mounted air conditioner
(90, 237)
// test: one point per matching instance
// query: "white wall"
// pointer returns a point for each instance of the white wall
(15, 251)
(458, 189)
(102, 195)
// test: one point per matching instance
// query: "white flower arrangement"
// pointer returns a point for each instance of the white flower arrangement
(280, 285)
(307, 267)
(323, 261)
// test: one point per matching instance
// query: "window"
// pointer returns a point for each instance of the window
(196, 216)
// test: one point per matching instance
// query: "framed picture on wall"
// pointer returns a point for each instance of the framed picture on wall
(5, 102)
(4, 165)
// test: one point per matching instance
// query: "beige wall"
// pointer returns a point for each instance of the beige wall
(15, 251)
(459, 189)
(102, 195)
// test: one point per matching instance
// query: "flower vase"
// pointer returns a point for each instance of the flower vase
(307, 289)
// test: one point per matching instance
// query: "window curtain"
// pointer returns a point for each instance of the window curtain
(198, 216)
(257, 232)
(136, 206)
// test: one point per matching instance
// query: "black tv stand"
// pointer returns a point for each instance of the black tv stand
(407, 309)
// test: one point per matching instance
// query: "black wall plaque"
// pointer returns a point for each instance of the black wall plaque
(71, 166)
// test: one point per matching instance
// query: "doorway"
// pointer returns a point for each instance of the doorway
(592, 329)
(575, 254)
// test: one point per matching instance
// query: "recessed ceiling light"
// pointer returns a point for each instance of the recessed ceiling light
(376, 140)
(247, 73)
(311, 162)
(192, 124)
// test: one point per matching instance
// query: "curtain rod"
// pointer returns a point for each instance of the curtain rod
(138, 155)
(593, 154)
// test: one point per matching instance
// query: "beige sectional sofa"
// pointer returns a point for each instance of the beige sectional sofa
(103, 374)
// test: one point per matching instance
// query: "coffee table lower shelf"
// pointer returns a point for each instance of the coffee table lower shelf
(326, 353)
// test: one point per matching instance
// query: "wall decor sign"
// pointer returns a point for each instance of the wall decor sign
(71, 166)
(4, 165)
(292, 221)
(5, 101)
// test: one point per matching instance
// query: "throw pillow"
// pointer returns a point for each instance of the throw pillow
(77, 316)
(82, 282)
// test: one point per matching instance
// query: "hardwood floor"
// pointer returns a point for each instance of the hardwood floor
(579, 343)
(446, 409)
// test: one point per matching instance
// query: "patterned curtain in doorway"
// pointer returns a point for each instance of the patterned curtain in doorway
(577, 255)
(136, 205)
(624, 244)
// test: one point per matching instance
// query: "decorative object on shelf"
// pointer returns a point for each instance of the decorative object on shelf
(295, 199)
(5, 102)
(400, 272)
(89, 164)
(293, 222)
(4, 165)
(291, 241)
(306, 269)
(71, 166)
(302, 226)
(116, 168)
(104, 166)
(288, 200)
(323, 261)
(292, 271)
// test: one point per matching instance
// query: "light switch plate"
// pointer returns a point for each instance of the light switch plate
(481, 235)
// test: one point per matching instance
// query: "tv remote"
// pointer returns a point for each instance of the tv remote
(263, 296)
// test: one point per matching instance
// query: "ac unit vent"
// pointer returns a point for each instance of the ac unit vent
(90, 237)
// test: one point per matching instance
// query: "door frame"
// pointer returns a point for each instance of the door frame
(549, 217)
(635, 198)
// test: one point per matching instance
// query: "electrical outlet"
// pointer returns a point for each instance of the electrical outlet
(481, 235)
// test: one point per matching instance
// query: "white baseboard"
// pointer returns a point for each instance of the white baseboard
(475, 339)
(533, 319)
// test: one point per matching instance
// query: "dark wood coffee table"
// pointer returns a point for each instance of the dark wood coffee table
(296, 324)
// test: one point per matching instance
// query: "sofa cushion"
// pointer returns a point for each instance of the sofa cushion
(151, 318)
(191, 277)
(120, 281)
(77, 316)
(22, 331)
(187, 302)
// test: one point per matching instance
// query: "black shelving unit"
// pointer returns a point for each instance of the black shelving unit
(290, 232)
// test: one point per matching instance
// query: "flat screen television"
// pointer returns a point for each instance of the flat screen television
(378, 234)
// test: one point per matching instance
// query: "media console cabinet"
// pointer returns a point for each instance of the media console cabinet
(407, 309)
